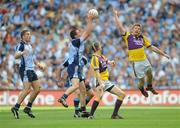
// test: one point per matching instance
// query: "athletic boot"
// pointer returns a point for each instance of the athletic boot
(28, 112)
(15, 112)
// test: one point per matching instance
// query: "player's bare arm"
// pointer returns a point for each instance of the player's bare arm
(98, 76)
(99, 89)
(89, 74)
(40, 65)
(89, 28)
(58, 74)
(18, 54)
(118, 22)
(111, 62)
(158, 51)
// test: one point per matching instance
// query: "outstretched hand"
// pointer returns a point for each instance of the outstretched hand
(41, 66)
(90, 17)
(112, 62)
(116, 12)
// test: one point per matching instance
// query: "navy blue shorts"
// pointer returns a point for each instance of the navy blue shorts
(75, 71)
(28, 76)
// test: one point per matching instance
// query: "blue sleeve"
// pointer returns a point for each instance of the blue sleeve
(76, 43)
(20, 47)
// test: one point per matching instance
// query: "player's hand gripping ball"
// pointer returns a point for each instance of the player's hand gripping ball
(93, 13)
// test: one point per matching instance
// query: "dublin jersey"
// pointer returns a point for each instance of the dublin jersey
(76, 51)
(26, 60)
(26, 68)
(65, 64)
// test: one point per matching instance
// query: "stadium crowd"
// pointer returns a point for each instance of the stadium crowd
(50, 21)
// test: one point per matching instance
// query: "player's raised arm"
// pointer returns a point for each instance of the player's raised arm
(89, 27)
(118, 22)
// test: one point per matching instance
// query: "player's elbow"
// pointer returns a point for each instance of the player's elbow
(154, 49)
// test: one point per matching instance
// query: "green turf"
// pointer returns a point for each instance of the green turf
(53, 117)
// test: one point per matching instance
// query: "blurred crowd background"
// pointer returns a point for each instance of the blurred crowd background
(50, 21)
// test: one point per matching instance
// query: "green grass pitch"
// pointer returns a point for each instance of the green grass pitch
(58, 117)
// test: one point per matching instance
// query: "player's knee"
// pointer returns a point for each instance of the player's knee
(82, 90)
(98, 99)
(121, 96)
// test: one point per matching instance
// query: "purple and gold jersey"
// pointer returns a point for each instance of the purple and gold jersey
(136, 46)
(100, 63)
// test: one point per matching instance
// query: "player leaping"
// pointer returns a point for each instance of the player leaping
(75, 67)
(136, 42)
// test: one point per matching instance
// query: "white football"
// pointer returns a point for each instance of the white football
(93, 12)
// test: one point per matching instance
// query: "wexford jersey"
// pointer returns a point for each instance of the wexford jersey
(100, 63)
(136, 46)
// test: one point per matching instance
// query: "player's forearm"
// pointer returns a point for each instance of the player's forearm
(58, 74)
(98, 77)
(111, 62)
(119, 25)
(90, 72)
(157, 50)
(36, 63)
(18, 54)
(88, 30)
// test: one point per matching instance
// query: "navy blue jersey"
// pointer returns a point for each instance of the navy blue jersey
(65, 64)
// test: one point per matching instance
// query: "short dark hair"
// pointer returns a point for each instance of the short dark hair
(73, 32)
(23, 33)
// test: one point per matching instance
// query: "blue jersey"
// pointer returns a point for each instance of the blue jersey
(76, 51)
(65, 64)
(26, 60)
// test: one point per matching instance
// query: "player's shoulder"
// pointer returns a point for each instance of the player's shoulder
(95, 56)
(20, 46)
(76, 42)
(144, 37)
(127, 33)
